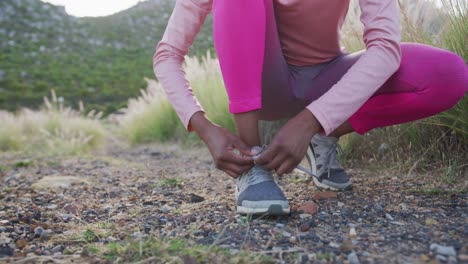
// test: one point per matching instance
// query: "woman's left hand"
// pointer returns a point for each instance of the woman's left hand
(289, 145)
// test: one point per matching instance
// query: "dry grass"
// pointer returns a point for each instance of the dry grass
(54, 130)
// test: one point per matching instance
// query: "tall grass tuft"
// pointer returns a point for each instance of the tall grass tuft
(53, 130)
(435, 142)
(150, 117)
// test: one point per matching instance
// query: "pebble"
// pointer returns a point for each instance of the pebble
(293, 240)
(305, 216)
(389, 217)
(58, 248)
(4, 240)
(2, 229)
(308, 208)
(325, 195)
(305, 227)
(38, 231)
(71, 209)
(452, 260)
(441, 258)
(352, 232)
(138, 235)
(196, 198)
(353, 258)
(403, 207)
(52, 206)
(340, 204)
(347, 246)
(463, 257)
(21, 243)
(279, 225)
(45, 234)
(166, 209)
(66, 217)
(286, 234)
(443, 250)
(6, 251)
(334, 245)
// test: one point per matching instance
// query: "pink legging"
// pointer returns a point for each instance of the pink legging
(249, 52)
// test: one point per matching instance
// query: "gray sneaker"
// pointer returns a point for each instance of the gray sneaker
(324, 166)
(257, 193)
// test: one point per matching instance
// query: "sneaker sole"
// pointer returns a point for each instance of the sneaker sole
(328, 187)
(274, 209)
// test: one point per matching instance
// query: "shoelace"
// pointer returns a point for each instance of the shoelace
(330, 156)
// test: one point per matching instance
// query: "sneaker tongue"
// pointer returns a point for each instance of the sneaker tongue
(256, 175)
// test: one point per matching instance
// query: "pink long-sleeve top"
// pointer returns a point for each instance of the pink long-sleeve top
(302, 45)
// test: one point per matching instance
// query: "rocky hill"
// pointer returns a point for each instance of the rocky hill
(102, 60)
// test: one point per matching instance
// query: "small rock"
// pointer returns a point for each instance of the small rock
(340, 204)
(378, 207)
(389, 217)
(308, 208)
(305, 216)
(279, 225)
(441, 258)
(2, 229)
(305, 227)
(443, 250)
(452, 260)
(196, 198)
(166, 209)
(334, 245)
(425, 258)
(352, 232)
(293, 240)
(45, 234)
(347, 246)
(66, 217)
(21, 243)
(4, 240)
(6, 251)
(463, 258)
(138, 235)
(71, 209)
(58, 248)
(287, 234)
(52, 206)
(50, 182)
(430, 222)
(38, 231)
(324, 195)
(403, 207)
(353, 258)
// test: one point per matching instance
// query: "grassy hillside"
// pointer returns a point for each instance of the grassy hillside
(101, 61)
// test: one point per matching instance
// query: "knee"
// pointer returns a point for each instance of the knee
(451, 80)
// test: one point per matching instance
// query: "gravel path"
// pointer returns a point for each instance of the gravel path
(165, 192)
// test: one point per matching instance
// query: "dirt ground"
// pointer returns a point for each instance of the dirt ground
(168, 192)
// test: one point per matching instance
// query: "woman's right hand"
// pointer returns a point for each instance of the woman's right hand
(229, 152)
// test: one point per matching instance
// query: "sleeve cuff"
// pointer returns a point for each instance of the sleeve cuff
(188, 115)
(321, 118)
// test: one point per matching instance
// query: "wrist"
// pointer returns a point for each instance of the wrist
(201, 125)
(308, 119)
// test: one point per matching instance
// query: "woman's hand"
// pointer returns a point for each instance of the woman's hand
(290, 144)
(229, 152)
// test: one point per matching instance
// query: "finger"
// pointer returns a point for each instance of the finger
(230, 157)
(275, 163)
(242, 147)
(239, 170)
(285, 168)
(266, 156)
(232, 174)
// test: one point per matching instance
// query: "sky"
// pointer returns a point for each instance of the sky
(93, 7)
(99, 7)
